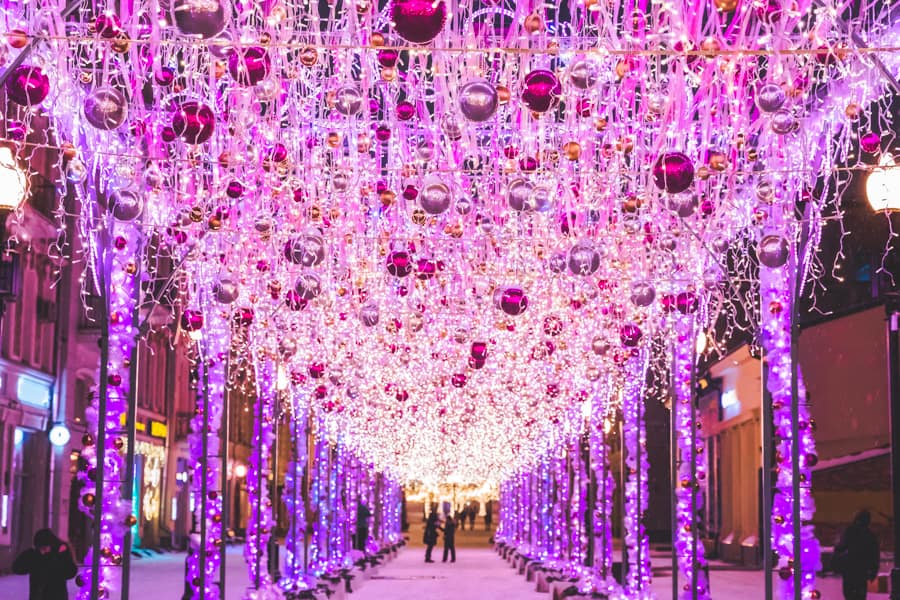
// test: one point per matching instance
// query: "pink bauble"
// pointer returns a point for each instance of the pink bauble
(513, 301)
(399, 264)
(541, 91)
(194, 122)
(249, 66)
(673, 172)
(418, 21)
(27, 86)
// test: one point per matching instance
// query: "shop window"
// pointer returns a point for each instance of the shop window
(7, 452)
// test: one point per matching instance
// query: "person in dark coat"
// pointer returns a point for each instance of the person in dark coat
(431, 535)
(449, 530)
(49, 565)
(857, 557)
(362, 527)
(488, 515)
(473, 512)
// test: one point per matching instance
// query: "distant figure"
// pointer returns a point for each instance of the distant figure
(488, 515)
(473, 512)
(49, 565)
(362, 527)
(449, 529)
(857, 557)
(431, 535)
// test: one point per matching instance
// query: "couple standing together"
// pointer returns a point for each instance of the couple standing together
(432, 526)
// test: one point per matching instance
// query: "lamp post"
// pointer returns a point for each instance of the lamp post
(13, 192)
(883, 193)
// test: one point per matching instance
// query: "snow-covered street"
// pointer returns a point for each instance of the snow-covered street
(478, 574)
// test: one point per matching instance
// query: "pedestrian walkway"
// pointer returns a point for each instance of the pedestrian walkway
(478, 573)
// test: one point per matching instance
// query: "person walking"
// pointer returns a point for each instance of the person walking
(48, 566)
(431, 535)
(362, 527)
(449, 530)
(857, 557)
(488, 514)
(473, 512)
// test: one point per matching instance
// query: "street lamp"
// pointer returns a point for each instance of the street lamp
(883, 184)
(13, 192)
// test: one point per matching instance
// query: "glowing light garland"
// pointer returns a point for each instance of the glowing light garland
(295, 497)
(207, 464)
(602, 579)
(637, 492)
(114, 513)
(260, 521)
(691, 467)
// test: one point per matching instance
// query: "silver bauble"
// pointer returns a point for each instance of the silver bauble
(425, 151)
(225, 290)
(106, 108)
(719, 244)
(369, 315)
(308, 286)
(783, 122)
(452, 126)
(584, 73)
(518, 196)
(76, 172)
(348, 100)
(340, 181)
(770, 97)
(203, 18)
(434, 197)
(683, 205)
(712, 277)
(599, 346)
(287, 348)
(557, 262)
(463, 206)
(539, 199)
(773, 251)
(307, 249)
(126, 205)
(765, 191)
(583, 259)
(642, 293)
(478, 100)
(264, 224)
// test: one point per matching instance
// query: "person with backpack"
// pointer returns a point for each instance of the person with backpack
(857, 557)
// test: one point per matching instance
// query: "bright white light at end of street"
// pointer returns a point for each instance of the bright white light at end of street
(13, 180)
(883, 184)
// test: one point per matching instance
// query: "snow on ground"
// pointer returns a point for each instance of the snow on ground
(478, 574)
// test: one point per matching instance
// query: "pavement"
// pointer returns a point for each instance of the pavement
(478, 574)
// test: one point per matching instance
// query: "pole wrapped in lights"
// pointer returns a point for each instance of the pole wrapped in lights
(602, 575)
(204, 445)
(117, 265)
(294, 496)
(691, 467)
(637, 492)
(260, 522)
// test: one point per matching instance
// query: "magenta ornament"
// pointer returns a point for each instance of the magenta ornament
(191, 320)
(418, 21)
(513, 301)
(399, 264)
(631, 335)
(673, 172)
(27, 86)
(870, 142)
(687, 303)
(479, 351)
(541, 91)
(202, 18)
(194, 122)
(249, 66)
(405, 110)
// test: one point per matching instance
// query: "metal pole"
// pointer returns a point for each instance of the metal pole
(128, 488)
(673, 473)
(695, 533)
(204, 467)
(226, 496)
(795, 431)
(101, 411)
(259, 485)
(767, 447)
(273, 540)
(892, 308)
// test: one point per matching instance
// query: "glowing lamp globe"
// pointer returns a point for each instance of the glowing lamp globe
(59, 435)
(13, 181)
(883, 185)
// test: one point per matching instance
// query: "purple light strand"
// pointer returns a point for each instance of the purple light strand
(260, 522)
(293, 482)
(602, 580)
(637, 544)
(691, 469)
(121, 331)
(775, 289)
(216, 335)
